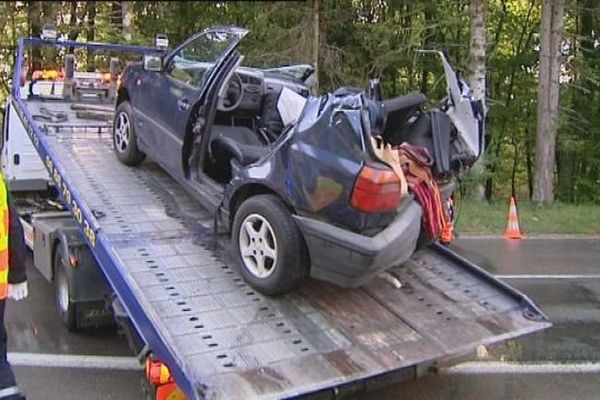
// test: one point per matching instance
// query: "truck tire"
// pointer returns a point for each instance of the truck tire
(62, 289)
(124, 137)
(268, 246)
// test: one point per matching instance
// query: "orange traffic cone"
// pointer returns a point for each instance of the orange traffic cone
(512, 228)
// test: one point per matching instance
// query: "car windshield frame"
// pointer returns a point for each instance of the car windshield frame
(230, 35)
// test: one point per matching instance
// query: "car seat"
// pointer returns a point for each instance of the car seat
(239, 141)
(270, 120)
(399, 111)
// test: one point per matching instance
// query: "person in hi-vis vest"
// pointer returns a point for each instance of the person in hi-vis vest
(13, 283)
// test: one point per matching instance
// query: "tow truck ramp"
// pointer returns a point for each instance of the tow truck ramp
(219, 337)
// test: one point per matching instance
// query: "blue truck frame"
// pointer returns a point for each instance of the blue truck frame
(524, 317)
(97, 241)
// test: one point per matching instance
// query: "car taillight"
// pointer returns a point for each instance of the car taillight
(376, 190)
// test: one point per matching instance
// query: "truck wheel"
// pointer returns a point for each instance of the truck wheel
(124, 137)
(268, 246)
(64, 305)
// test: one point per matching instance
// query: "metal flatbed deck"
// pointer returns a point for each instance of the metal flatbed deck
(220, 338)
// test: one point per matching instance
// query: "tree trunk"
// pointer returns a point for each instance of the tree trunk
(90, 7)
(477, 55)
(127, 19)
(513, 177)
(528, 161)
(427, 34)
(316, 41)
(116, 16)
(489, 183)
(548, 99)
(35, 28)
(73, 25)
(13, 27)
(49, 11)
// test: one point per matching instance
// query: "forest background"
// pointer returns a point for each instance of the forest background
(537, 62)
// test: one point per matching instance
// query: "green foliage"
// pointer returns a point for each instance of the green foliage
(361, 39)
(475, 217)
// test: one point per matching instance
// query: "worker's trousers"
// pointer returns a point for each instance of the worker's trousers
(8, 385)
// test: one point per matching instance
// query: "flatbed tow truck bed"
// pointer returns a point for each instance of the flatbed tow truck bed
(220, 338)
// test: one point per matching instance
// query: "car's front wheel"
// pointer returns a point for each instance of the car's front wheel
(124, 137)
(268, 246)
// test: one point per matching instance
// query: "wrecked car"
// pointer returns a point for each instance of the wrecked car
(295, 178)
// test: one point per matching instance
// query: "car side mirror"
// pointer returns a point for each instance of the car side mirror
(152, 62)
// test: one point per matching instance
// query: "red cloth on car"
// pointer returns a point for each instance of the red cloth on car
(416, 164)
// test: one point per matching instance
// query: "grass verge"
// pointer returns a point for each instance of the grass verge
(491, 218)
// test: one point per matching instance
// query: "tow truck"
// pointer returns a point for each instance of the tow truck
(134, 239)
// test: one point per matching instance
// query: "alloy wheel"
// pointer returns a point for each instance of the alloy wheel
(122, 132)
(258, 245)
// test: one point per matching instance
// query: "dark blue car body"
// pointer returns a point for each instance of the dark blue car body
(311, 166)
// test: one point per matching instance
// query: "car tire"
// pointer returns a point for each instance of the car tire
(65, 307)
(268, 246)
(124, 137)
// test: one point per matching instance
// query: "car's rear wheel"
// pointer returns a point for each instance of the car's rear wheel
(124, 137)
(268, 246)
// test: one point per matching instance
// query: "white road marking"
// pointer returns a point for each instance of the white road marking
(73, 361)
(546, 236)
(132, 364)
(499, 367)
(548, 276)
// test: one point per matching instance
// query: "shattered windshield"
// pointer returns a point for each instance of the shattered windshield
(190, 63)
(207, 48)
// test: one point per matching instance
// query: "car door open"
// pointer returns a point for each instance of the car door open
(218, 45)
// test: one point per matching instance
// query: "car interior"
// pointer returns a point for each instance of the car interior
(247, 122)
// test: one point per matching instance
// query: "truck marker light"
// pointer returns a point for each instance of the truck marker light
(73, 260)
(157, 372)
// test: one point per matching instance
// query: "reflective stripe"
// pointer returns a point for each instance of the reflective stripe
(3, 259)
(3, 214)
(9, 391)
(164, 374)
(2, 191)
(4, 227)
(4, 276)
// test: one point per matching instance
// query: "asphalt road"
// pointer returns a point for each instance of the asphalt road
(561, 275)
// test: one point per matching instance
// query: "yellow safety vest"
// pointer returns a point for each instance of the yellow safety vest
(4, 220)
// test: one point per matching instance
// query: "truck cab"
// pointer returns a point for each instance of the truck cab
(60, 253)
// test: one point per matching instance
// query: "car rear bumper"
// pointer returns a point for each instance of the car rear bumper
(349, 259)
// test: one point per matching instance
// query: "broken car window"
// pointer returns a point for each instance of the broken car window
(190, 64)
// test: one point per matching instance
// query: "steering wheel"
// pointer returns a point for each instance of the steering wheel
(233, 96)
